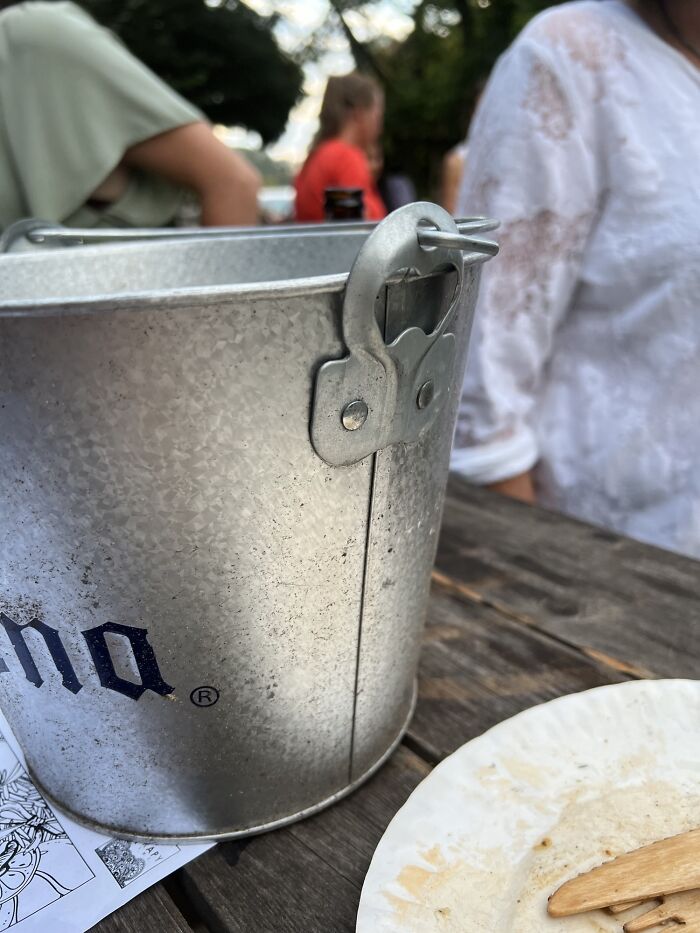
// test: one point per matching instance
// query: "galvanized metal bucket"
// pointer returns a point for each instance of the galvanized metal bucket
(223, 466)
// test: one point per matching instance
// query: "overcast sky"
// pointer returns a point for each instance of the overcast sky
(300, 19)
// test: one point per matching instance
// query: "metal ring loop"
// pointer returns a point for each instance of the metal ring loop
(476, 224)
(444, 239)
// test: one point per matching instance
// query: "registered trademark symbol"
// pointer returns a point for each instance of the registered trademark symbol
(204, 696)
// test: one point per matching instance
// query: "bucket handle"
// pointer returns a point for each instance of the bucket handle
(382, 394)
(41, 233)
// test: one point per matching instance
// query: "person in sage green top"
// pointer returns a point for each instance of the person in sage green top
(91, 137)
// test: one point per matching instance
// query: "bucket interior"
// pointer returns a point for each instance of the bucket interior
(106, 270)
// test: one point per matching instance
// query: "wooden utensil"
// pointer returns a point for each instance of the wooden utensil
(654, 871)
(683, 908)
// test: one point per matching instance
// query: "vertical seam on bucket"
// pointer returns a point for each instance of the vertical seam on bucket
(365, 568)
(363, 594)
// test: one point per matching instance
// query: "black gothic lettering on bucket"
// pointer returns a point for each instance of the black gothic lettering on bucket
(143, 653)
(144, 656)
(53, 643)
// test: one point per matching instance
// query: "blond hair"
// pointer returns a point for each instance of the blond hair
(344, 93)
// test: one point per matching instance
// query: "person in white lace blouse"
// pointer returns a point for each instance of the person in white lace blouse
(583, 382)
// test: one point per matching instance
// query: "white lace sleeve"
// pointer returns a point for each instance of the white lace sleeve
(531, 165)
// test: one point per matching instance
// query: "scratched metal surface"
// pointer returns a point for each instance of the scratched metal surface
(159, 475)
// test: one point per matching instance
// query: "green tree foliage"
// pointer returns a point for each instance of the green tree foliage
(223, 58)
(433, 77)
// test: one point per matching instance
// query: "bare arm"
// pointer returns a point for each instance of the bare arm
(192, 156)
(452, 171)
(517, 487)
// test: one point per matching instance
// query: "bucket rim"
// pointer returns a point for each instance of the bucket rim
(173, 299)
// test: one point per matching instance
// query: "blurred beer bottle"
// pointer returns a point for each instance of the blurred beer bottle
(344, 204)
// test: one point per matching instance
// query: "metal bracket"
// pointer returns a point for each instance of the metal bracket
(381, 395)
(21, 230)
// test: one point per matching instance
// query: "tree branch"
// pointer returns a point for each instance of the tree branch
(364, 59)
(466, 23)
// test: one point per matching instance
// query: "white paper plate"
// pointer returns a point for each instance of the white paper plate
(498, 825)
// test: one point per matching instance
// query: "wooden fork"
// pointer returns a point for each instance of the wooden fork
(676, 912)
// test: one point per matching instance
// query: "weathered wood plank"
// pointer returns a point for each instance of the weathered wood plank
(306, 877)
(612, 597)
(478, 668)
(347, 834)
(149, 912)
(269, 883)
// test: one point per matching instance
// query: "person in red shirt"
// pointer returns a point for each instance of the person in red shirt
(352, 114)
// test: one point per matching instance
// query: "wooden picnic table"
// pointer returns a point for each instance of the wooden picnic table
(527, 605)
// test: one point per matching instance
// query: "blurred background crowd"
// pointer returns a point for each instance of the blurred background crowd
(258, 70)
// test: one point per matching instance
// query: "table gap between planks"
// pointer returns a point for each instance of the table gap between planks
(526, 605)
